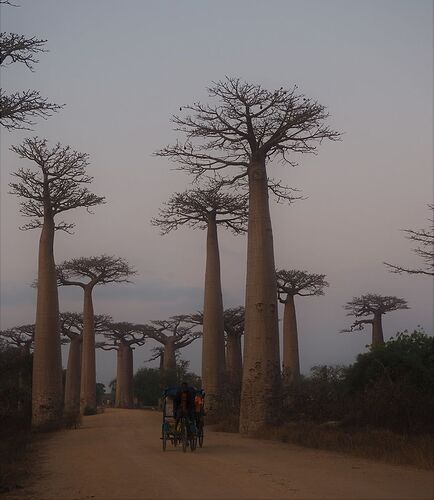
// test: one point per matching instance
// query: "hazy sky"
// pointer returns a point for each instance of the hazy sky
(122, 69)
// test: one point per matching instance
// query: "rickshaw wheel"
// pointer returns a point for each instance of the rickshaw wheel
(193, 443)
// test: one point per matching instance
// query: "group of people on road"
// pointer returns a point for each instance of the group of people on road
(189, 403)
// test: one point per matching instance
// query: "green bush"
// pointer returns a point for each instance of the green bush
(389, 387)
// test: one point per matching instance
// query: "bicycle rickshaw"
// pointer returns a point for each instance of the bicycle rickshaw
(188, 432)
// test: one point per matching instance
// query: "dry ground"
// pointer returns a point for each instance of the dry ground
(118, 455)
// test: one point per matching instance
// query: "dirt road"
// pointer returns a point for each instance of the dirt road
(117, 455)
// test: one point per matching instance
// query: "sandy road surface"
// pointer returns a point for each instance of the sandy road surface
(117, 455)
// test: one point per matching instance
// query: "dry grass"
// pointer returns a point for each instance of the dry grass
(397, 449)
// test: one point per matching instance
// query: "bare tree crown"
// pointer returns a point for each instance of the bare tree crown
(57, 185)
(122, 333)
(294, 282)
(246, 123)
(374, 304)
(99, 270)
(19, 336)
(19, 108)
(196, 207)
(178, 329)
(72, 324)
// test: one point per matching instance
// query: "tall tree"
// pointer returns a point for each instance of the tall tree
(121, 337)
(57, 186)
(424, 239)
(376, 306)
(246, 128)
(71, 327)
(207, 208)
(99, 270)
(289, 284)
(173, 334)
(19, 108)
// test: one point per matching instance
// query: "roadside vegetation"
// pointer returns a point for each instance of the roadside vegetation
(15, 415)
(380, 407)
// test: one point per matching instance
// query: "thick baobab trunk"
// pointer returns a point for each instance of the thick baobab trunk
(128, 378)
(124, 378)
(261, 394)
(120, 374)
(47, 390)
(88, 368)
(73, 375)
(234, 361)
(291, 360)
(169, 359)
(377, 331)
(213, 341)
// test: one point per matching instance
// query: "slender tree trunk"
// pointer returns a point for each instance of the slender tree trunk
(73, 375)
(377, 331)
(234, 361)
(47, 387)
(169, 359)
(213, 341)
(261, 388)
(88, 368)
(291, 360)
(120, 371)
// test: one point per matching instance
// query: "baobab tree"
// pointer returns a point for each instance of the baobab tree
(71, 328)
(21, 338)
(99, 270)
(375, 306)
(121, 337)
(243, 131)
(207, 208)
(424, 238)
(19, 108)
(173, 334)
(59, 185)
(289, 284)
(234, 330)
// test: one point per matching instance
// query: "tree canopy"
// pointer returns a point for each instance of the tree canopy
(294, 282)
(243, 123)
(371, 304)
(196, 207)
(58, 184)
(100, 270)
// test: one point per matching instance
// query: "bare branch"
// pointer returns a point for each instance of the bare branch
(18, 110)
(294, 282)
(57, 186)
(424, 250)
(98, 270)
(246, 122)
(198, 207)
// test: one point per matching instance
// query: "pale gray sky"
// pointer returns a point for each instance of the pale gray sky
(122, 68)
